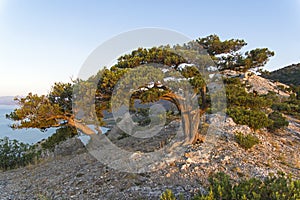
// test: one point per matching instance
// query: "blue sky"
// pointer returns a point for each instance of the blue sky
(45, 41)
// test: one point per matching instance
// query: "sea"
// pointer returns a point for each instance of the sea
(29, 136)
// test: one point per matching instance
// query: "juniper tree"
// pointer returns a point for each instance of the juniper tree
(186, 64)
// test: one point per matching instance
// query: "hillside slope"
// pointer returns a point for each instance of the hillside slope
(76, 174)
(81, 176)
(287, 75)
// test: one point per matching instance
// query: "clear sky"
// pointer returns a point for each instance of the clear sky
(45, 41)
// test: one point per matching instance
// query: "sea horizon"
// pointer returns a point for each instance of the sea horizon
(30, 136)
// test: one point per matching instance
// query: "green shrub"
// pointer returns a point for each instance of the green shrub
(210, 196)
(253, 118)
(278, 121)
(221, 186)
(279, 187)
(289, 107)
(282, 107)
(168, 195)
(15, 154)
(247, 141)
(237, 95)
(60, 135)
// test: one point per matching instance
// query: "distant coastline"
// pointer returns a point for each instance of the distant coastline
(7, 100)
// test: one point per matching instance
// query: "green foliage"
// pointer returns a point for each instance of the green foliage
(42, 112)
(278, 187)
(289, 107)
(168, 195)
(287, 75)
(282, 107)
(237, 96)
(247, 189)
(119, 85)
(60, 135)
(247, 108)
(257, 57)
(297, 91)
(35, 112)
(278, 120)
(255, 119)
(15, 154)
(246, 142)
(215, 46)
(234, 59)
(221, 186)
(152, 55)
(210, 196)
(61, 94)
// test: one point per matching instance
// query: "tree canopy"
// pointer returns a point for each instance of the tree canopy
(227, 54)
(178, 74)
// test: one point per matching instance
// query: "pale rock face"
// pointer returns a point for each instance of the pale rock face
(263, 86)
(257, 83)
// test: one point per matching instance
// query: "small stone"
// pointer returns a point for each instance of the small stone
(226, 158)
(185, 166)
(187, 155)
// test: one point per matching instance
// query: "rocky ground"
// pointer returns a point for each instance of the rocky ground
(71, 172)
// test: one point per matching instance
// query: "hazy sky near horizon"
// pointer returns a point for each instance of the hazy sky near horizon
(46, 41)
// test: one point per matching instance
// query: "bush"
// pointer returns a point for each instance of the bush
(168, 195)
(220, 186)
(238, 96)
(280, 187)
(252, 118)
(60, 135)
(278, 121)
(246, 142)
(273, 187)
(282, 107)
(15, 154)
(289, 107)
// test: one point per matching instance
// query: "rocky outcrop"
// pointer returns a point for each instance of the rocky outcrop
(72, 146)
(257, 83)
(263, 86)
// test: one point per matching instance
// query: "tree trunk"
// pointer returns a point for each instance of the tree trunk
(203, 96)
(82, 127)
(190, 116)
(204, 101)
(190, 123)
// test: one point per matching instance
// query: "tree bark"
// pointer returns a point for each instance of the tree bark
(190, 123)
(190, 119)
(204, 101)
(203, 96)
(82, 127)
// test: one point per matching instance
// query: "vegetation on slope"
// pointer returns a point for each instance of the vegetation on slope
(279, 187)
(15, 154)
(251, 109)
(288, 75)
